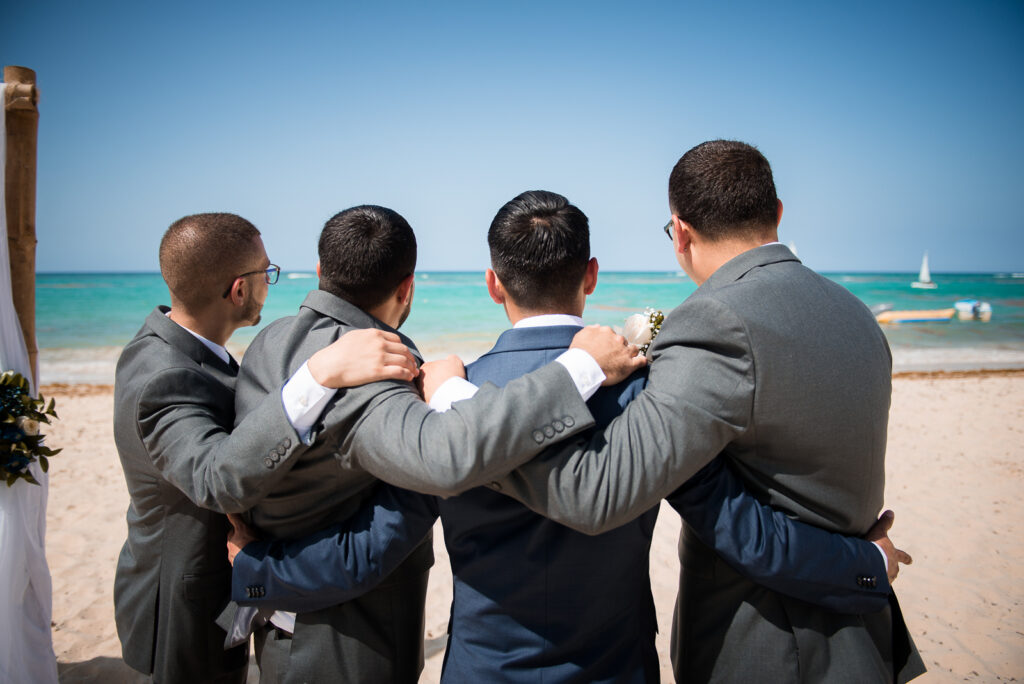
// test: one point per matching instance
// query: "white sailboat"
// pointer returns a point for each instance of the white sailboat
(924, 278)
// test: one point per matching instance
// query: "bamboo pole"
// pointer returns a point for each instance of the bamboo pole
(22, 118)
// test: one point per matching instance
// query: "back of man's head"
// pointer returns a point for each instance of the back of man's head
(724, 190)
(201, 254)
(365, 254)
(540, 246)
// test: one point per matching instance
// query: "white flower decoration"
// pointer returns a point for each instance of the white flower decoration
(637, 330)
(641, 329)
(28, 426)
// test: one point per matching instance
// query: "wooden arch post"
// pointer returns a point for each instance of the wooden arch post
(22, 122)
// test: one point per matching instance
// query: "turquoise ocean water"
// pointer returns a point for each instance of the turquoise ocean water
(84, 319)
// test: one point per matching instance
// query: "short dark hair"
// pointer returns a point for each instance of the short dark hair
(365, 254)
(540, 246)
(724, 189)
(201, 253)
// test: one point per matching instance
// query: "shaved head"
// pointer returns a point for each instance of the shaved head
(202, 253)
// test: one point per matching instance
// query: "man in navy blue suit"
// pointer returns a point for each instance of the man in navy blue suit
(534, 600)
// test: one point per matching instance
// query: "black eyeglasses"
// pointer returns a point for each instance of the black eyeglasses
(271, 273)
(668, 229)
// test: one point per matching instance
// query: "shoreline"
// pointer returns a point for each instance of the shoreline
(87, 389)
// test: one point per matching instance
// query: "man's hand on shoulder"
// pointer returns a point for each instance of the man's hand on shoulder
(879, 534)
(613, 354)
(240, 535)
(362, 356)
(433, 374)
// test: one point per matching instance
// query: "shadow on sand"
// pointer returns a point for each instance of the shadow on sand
(106, 669)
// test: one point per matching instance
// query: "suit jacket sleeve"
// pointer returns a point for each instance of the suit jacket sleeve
(401, 440)
(699, 397)
(336, 564)
(785, 555)
(224, 471)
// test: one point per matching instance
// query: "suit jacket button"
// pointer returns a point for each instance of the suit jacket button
(286, 442)
(549, 431)
(496, 485)
(867, 581)
(280, 451)
(569, 422)
(269, 462)
(274, 457)
(558, 425)
(538, 436)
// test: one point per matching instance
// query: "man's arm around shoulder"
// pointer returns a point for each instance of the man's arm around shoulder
(183, 431)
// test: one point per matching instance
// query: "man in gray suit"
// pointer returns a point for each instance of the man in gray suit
(173, 406)
(786, 376)
(366, 270)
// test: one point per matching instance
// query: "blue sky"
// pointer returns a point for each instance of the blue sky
(893, 127)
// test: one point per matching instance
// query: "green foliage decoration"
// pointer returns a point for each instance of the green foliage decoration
(20, 440)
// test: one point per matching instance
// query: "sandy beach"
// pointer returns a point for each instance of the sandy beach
(954, 477)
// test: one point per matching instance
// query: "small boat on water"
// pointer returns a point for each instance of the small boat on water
(924, 278)
(921, 316)
(973, 310)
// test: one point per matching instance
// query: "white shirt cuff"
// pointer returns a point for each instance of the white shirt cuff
(586, 373)
(304, 399)
(885, 558)
(450, 391)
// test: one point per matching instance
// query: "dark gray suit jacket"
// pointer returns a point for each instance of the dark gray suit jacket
(788, 376)
(173, 406)
(384, 430)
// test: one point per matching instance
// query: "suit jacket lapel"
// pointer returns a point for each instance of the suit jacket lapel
(326, 304)
(187, 343)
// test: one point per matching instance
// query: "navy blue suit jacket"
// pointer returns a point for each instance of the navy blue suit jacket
(530, 593)
(535, 600)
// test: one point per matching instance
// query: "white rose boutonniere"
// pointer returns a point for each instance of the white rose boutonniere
(641, 329)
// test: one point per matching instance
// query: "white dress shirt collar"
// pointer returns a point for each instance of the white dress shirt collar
(544, 320)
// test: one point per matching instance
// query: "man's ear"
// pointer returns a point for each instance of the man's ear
(238, 293)
(778, 218)
(682, 235)
(494, 287)
(318, 269)
(590, 276)
(406, 288)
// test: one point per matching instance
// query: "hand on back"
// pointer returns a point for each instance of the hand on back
(879, 534)
(362, 356)
(433, 374)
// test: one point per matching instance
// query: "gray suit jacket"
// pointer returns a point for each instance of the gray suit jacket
(173, 406)
(384, 430)
(788, 376)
